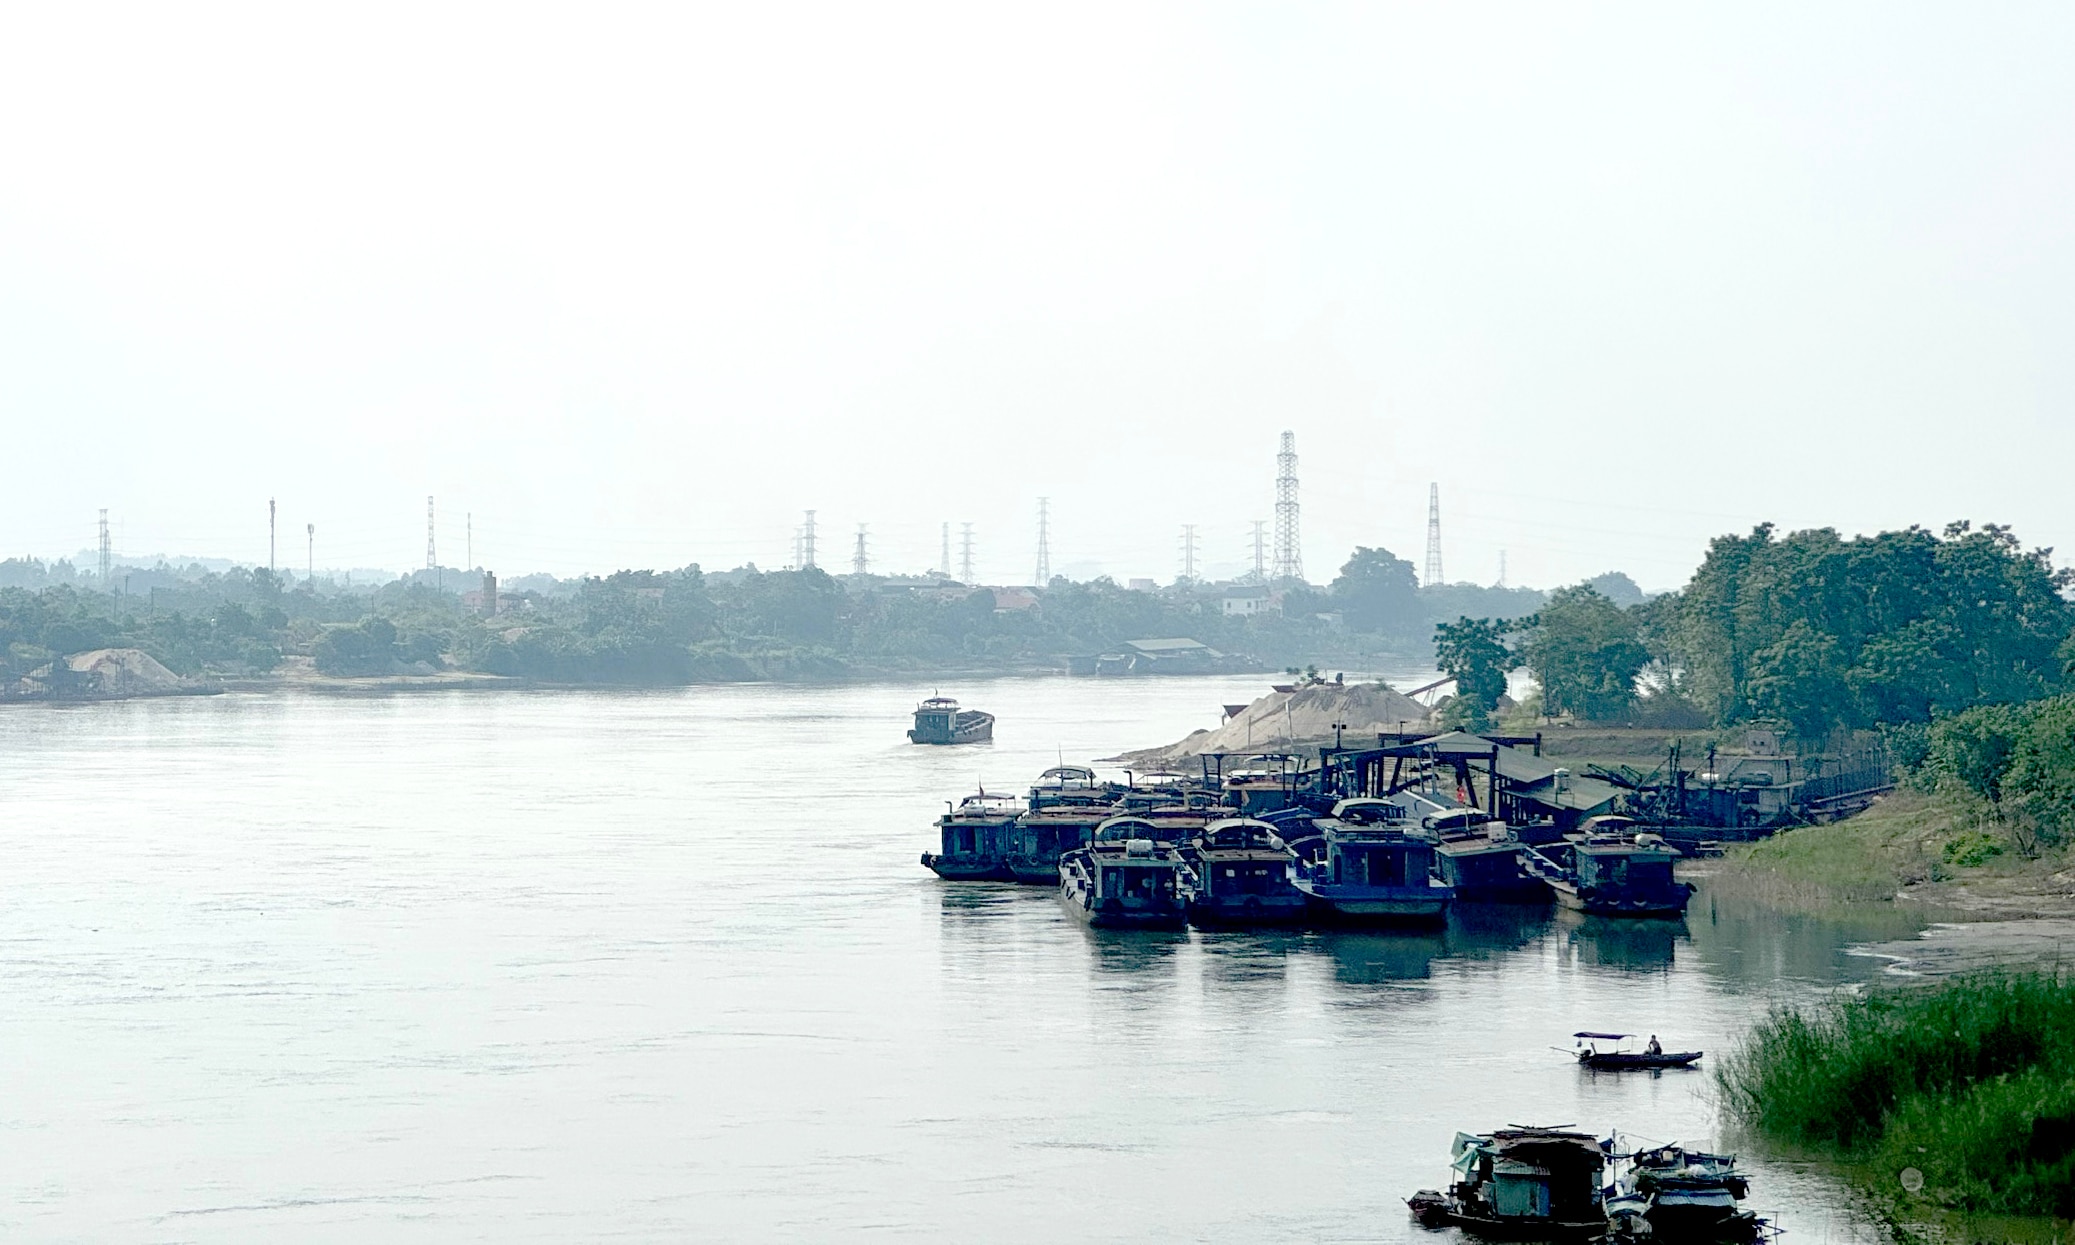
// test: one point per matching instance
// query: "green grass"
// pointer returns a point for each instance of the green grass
(1971, 1081)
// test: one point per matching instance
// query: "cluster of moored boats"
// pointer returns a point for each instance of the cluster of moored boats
(1248, 849)
(1558, 1184)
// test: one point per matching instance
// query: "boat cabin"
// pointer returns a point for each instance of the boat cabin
(975, 837)
(1529, 1177)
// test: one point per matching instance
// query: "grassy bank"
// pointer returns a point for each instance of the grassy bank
(1970, 1082)
(1945, 850)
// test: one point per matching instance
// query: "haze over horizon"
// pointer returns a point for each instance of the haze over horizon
(638, 288)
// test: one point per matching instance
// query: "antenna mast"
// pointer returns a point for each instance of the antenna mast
(1289, 545)
(1433, 575)
(1044, 558)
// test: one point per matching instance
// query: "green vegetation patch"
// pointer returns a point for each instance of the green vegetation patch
(1970, 1081)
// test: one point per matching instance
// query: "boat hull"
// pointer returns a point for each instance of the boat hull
(1614, 1061)
(1249, 911)
(1602, 903)
(964, 869)
(1376, 905)
(975, 733)
(1114, 915)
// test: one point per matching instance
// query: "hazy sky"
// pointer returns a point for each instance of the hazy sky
(637, 288)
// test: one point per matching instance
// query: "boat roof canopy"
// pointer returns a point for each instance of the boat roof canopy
(1604, 1037)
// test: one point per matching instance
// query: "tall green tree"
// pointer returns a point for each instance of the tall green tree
(1377, 591)
(1585, 655)
(1474, 652)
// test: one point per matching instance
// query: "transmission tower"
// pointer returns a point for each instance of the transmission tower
(1189, 553)
(310, 554)
(108, 556)
(965, 553)
(860, 562)
(1502, 568)
(807, 542)
(1044, 558)
(431, 557)
(944, 560)
(270, 535)
(1289, 546)
(469, 526)
(1433, 575)
(1260, 573)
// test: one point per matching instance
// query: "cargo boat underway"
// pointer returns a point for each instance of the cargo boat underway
(939, 720)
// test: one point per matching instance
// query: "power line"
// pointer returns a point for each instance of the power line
(1044, 556)
(1433, 575)
(1289, 545)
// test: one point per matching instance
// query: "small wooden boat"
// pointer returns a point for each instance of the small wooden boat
(1672, 1193)
(939, 720)
(1617, 1060)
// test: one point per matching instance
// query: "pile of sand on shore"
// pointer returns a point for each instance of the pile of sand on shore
(129, 672)
(1282, 720)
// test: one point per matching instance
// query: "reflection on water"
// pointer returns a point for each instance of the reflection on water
(557, 966)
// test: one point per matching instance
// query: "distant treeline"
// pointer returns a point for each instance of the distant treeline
(668, 627)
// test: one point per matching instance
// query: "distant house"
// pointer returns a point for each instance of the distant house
(1007, 600)
(1248, 604)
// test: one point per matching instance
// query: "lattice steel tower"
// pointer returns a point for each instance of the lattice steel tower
(108, 555)
(944, 561)
(431, 555)
(1260, 571)
(1188, 553)
(1044, 558)
(965, 553)
(1433, 575)
(860, 561)
(1289, 546)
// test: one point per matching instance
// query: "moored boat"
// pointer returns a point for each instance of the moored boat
(1124, 879)
(1053, 826)
(1482, 859)
(939, 720)
(1538, 1183)
(1672, 1193)
(975, 839)
(1374, 868)
(1610, 869)
(1244, 876)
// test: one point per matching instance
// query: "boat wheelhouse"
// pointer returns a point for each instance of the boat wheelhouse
(1125, 879)
(1044, 834)
(1540, 1183)
(1375, 868)
(1611, 869)
(1482, 859)
(1264, 783)
(1672, 1193)
(975, 839)
(939, 720)
(1244, 876)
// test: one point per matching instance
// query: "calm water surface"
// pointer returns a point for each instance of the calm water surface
(563, 966)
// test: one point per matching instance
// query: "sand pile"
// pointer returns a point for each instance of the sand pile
(1304, 716)
(128, 672)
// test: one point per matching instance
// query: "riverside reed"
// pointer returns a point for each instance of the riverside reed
(1970, 1081)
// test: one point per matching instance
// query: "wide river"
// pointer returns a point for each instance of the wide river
(566, 966)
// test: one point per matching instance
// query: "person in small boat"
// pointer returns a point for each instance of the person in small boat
(1653, 1048)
